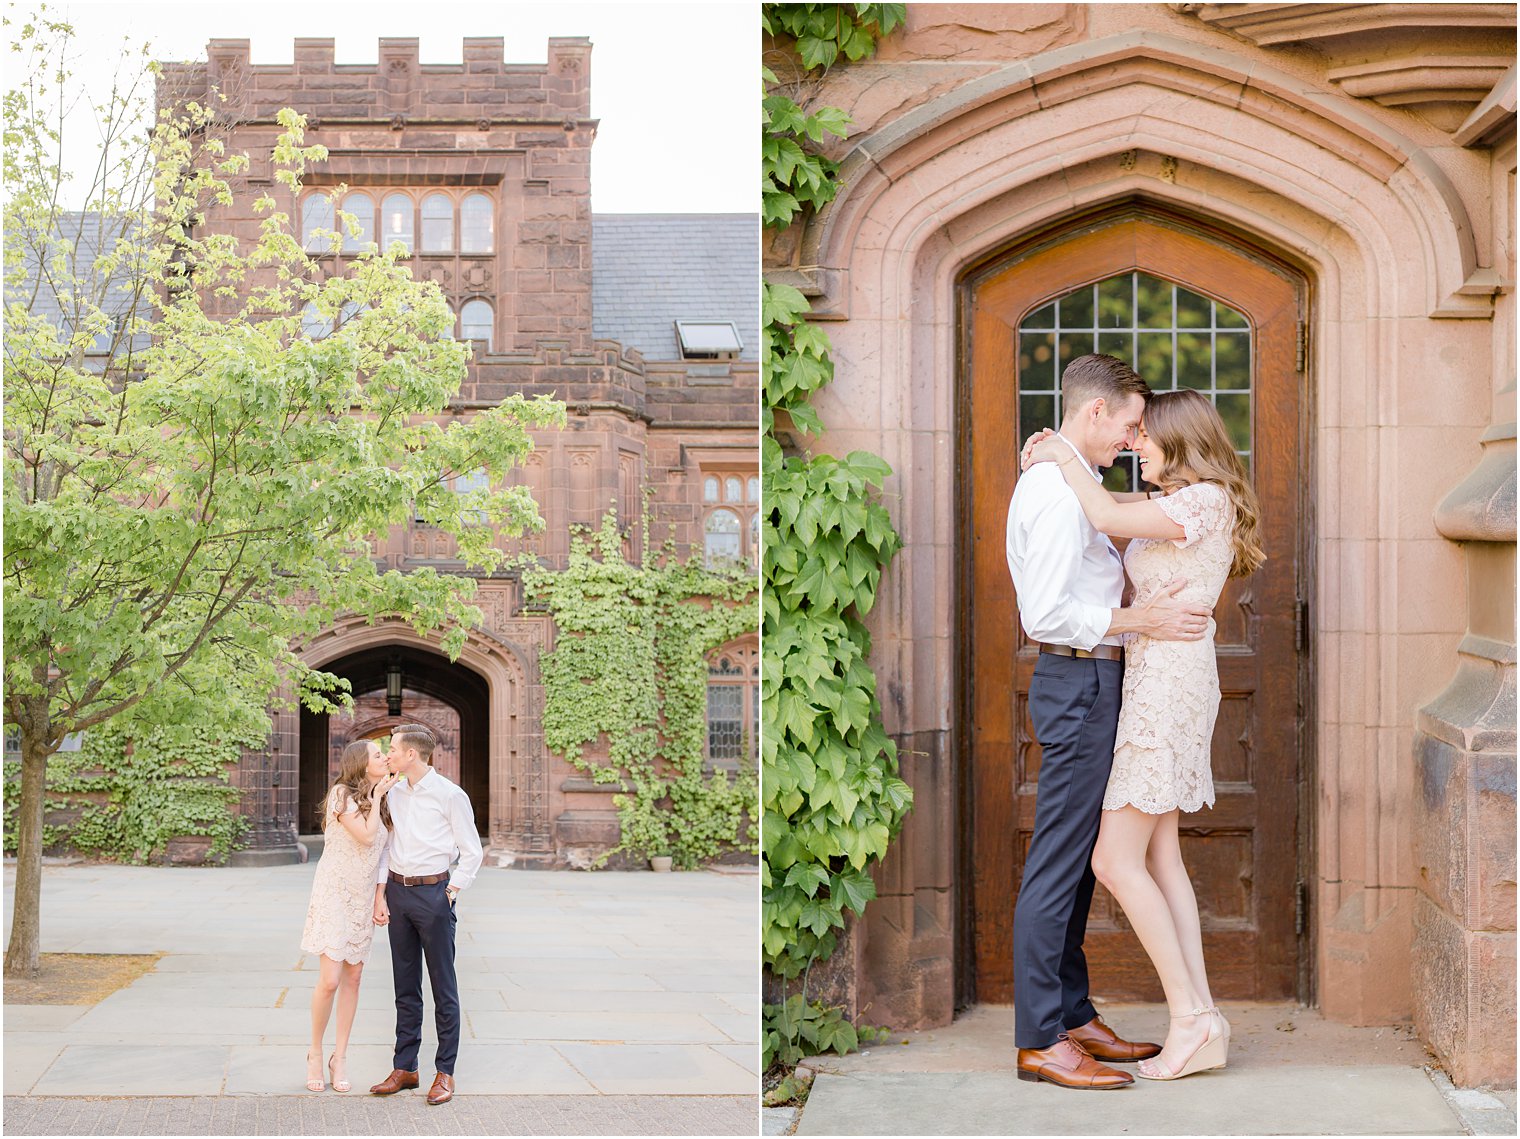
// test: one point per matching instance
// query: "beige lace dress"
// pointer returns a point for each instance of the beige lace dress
(340, 920)
(1171, 688)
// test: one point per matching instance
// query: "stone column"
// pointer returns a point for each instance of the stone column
(1464, 746)
(1464, 950)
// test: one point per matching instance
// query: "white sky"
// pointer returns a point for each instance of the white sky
(675, 85)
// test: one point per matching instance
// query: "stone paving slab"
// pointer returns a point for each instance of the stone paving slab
(399, 1115)
(622, 1069)
(27, 1056)
(41, 1018)
(102, 1069)
(612, 1001)
(1381, 1100)
(665, 1027)
(602, 982)
(747, 1056)
(734, 1025)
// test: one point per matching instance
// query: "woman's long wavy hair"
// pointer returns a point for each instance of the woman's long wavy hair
(353, 784)
(1187, 428)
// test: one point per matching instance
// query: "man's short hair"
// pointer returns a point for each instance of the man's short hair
(1099, 376)
(419, 736)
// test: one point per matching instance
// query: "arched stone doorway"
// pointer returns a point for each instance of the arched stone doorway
(449, 698)
(503, 765)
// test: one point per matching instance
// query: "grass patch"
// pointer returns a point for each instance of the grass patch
(79, 978)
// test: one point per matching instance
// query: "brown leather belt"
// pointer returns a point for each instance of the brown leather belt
(418, 880)
(1098, 652)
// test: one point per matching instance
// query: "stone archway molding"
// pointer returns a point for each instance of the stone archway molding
(519, 822)
(1329, 147)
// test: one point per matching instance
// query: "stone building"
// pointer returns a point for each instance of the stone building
(1307, 212)
(646, 326)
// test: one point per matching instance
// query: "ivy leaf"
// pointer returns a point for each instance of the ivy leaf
(807, 877)
(805, 419)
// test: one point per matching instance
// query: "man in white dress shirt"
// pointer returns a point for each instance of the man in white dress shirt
(1070, 585)
(432, 820)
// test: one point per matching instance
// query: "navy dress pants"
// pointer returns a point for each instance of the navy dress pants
(422, 928)
(1074, 705)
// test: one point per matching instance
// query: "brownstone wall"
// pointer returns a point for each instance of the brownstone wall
(520, 132)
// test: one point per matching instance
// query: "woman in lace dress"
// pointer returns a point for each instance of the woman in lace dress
(1201, 530)
(340, 920)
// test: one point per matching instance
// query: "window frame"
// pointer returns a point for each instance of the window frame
(747, 508)
(490, 337)
(745, 652)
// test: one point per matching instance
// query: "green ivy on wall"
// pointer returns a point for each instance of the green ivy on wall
(629, 665)
(833, 800)
(132, 788)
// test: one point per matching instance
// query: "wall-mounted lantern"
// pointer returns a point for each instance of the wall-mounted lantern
(393, 687)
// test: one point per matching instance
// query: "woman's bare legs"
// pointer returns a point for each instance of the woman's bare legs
(1122, 863)
(321, 1009)
(1164, 861)
(348, 1002)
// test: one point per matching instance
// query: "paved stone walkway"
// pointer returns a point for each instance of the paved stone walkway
(1290, 1073)
(575, 987)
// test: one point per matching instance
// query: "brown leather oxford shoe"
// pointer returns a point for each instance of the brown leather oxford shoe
(1104, 1043)
(442, 1090)
(1066, 1064)
(398, 1080)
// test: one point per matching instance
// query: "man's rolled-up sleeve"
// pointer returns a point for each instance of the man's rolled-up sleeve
(1054, 541)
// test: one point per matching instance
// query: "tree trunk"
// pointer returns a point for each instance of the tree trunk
(22, 955)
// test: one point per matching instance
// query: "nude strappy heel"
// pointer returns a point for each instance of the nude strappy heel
(337, 1085)
(1219, 1012)
(314, 1083)
(1210, 1054)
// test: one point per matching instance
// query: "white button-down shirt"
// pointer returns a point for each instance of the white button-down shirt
(430, 821)
(1068, 575)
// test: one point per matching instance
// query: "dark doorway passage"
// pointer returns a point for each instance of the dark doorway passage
(449, 698)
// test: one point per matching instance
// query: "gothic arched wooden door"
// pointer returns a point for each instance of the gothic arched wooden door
(1187, 309)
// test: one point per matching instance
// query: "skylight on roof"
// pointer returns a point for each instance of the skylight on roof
(708, 339)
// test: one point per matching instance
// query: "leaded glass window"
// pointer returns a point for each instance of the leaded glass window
(1175, 338)
(721, 538)
(362, 207)
(475, 320)
(477, 224)
(396, 220)
(725, 710)
(437, 224)
(314, 326)
(317, 223)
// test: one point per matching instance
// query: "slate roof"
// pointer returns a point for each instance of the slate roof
(650, 270)
(86, 230)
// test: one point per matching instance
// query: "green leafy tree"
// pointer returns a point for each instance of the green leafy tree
(204, 434)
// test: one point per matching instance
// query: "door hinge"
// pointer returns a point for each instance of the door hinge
(1300, 906)
(1301, 626)
(1300, 345)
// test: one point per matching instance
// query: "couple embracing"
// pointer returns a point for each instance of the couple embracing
(1123, 702)
(392, 826)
